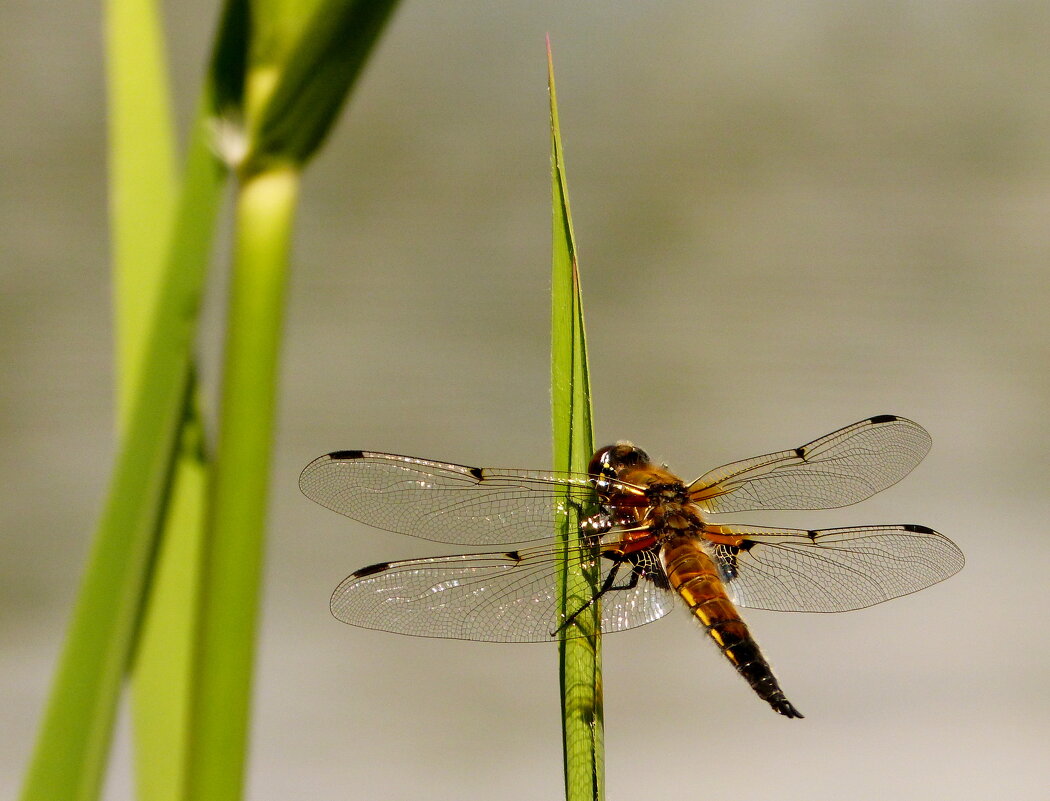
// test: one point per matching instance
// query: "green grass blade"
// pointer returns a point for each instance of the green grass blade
(233, 547)
(73, 743)
(163, 674)
(316, 79)
(163, 660)
(143, 191)
(228, 69)
(580, 665)
(299, 94)
(143, 196)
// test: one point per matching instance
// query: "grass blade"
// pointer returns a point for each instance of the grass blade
(162, 669)
(232, 556)
(162, 674)
(73, 743)
(316, 79)
(299, 95)
(143, 189)
(143, 197)
(580, 657)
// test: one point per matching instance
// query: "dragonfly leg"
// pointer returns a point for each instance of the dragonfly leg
(607, 586)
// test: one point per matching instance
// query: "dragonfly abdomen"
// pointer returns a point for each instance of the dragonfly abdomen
(693, 575)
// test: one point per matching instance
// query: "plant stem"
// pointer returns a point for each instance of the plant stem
(580, 657)
(71, 750)
(233, 547)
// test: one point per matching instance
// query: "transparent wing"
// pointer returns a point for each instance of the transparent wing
(440, 501)
(833, 570)
(494, 597)
(839, 469)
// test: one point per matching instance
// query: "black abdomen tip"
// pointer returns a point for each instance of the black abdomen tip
(785, 708)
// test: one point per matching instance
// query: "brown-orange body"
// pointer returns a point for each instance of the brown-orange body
(661, 517)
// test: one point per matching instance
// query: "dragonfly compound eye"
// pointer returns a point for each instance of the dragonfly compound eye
(610, 460)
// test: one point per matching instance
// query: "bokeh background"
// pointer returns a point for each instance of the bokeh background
(790, 216)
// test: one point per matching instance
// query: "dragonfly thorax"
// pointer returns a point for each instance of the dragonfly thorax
(671, 492)
(670, 511)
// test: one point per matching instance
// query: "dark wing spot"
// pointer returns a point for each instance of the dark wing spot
(884, 418)
(346, 455)
(918, 529)
(371, 570)
(478, 473)
(813, 535)
(800, 453)
(513, 555)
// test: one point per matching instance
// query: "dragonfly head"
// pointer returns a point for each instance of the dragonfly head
(612, 461)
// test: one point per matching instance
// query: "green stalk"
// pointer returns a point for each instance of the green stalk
(72, 747)
(70, 756)
(233, 547)
(583, 728)
(161, 674)
(147, 486)
(316, 79)
(143, 189)
(304, 61)
(143, 197)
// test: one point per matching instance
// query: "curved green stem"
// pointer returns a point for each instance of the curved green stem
(580, 657)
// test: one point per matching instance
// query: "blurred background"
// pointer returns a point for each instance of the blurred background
(790, 217)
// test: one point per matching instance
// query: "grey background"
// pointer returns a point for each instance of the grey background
(790, 217)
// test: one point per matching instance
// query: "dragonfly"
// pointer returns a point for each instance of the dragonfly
(647, 538)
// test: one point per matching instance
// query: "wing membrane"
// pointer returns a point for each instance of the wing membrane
(493, 597)
(443, 502)
(833, 570)
(839, 469)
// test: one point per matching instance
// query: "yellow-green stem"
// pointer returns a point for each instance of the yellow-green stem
(583, 731)
(73, 744)
(143, 192)
(161, 676)
(143, 187)
(71, 750)
(233, 547)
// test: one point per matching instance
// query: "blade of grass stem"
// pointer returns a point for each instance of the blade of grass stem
(233, 546)
(316, 79)
(580, 657)
(73, 743)
(162, 673)
(143, 197)
(142, 184)
(163, 659)
(301, 93)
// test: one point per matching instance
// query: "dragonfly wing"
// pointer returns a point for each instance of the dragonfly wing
(493, 597)
(443, 502)
(834, 570)
(839, 469)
